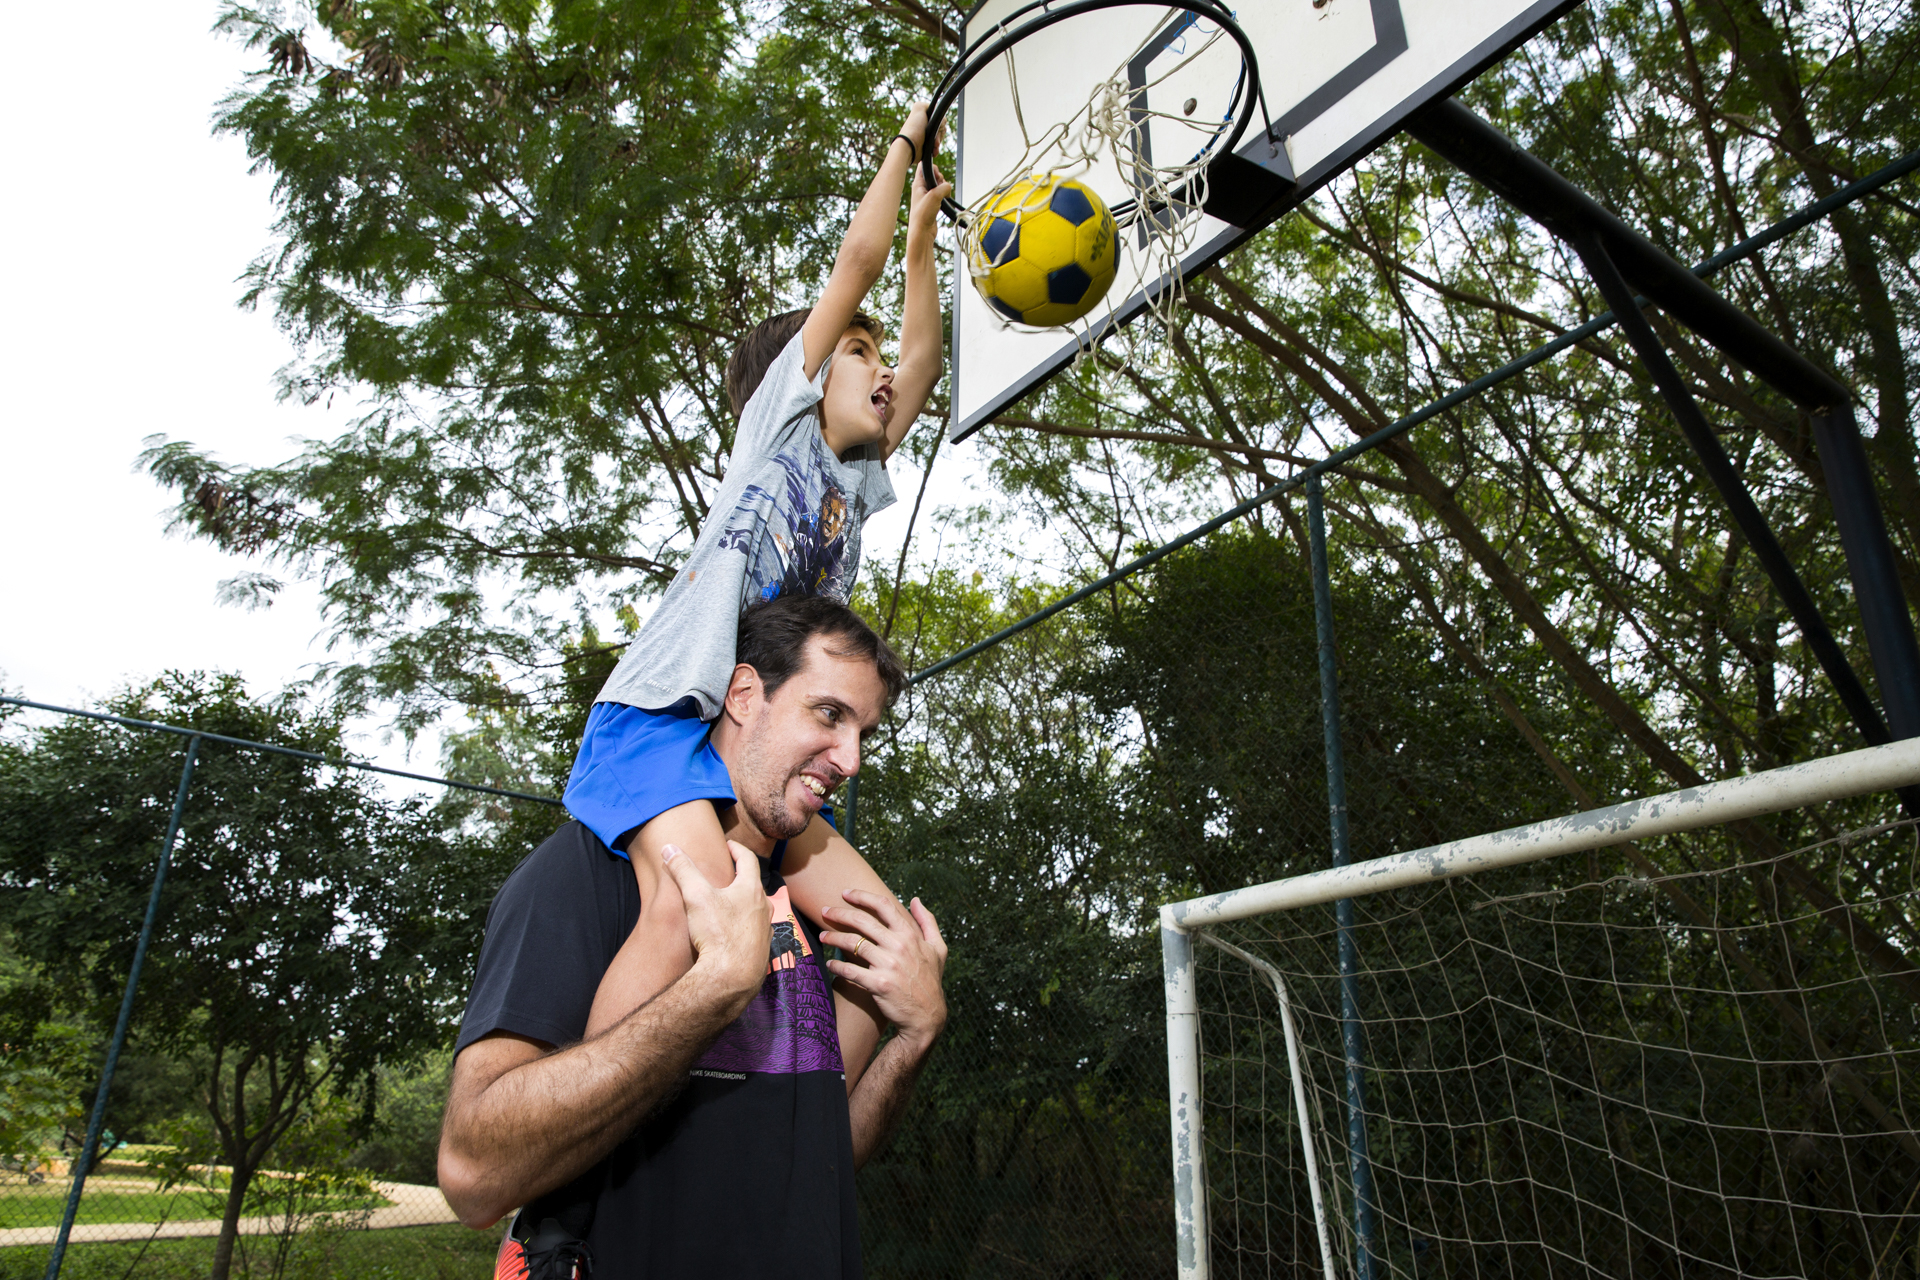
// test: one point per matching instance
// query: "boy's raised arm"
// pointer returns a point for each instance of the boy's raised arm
(864, 250)
(921, 331)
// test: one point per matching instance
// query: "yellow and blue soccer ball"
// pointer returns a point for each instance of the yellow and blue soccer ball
(1044, 251)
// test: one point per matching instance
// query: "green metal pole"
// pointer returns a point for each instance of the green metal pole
(119, 1041)
(1367, 1263)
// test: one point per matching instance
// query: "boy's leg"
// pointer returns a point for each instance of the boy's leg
(659, 950)
(819, 866)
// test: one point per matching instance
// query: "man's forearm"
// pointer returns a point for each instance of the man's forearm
(881, 1096)
(542, 1123)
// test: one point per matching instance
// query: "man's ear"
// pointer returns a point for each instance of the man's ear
(742, 692)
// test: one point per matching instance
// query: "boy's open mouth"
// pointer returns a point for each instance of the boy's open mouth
(882, 399)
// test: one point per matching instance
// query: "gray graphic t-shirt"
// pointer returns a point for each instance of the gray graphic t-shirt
(788, 518)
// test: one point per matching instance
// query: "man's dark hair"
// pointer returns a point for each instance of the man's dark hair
(764, 343)
(774, 636)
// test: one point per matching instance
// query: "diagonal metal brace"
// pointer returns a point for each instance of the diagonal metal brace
(1535, 188)
(1747, 515)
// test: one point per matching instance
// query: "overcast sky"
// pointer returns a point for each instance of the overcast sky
(128, 225)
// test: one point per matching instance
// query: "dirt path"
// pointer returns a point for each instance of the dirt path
(412, 1206)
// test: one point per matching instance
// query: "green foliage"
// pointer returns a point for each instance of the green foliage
(530, 233)
(44, 1063)
(309, 931)
(404, 1142)
(1037, 1130)
(1218, 659)
(38, 1093)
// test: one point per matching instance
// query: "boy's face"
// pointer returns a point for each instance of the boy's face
(858, 401)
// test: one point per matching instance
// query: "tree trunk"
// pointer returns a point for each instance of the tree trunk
(230, 1221)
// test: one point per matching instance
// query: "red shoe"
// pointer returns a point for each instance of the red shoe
(551, 1253)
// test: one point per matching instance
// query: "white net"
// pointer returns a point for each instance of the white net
(1687, 1060)
(1112, 141)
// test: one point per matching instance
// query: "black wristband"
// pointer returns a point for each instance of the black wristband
(912, 150)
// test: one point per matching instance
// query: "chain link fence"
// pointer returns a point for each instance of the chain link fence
(203, 910)
(1162, 733)
(1079, 759)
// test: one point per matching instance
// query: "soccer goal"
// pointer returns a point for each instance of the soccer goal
(1695, 1055)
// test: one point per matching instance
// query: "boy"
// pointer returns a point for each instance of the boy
(818, 413)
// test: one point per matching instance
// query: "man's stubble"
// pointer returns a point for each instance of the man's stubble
(762, 791)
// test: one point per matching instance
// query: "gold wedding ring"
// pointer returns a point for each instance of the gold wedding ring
(857, 944)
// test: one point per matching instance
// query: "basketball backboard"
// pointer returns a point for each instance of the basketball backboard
(1338, 76)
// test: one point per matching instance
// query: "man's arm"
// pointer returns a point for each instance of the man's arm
(899, 962)
(865, 248)
(920, 328)
(521, 1120)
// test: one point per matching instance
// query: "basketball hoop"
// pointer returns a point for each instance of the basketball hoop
(1144, 125)
(1118, 107)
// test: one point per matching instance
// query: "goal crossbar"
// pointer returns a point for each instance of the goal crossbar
(1890, 767)
(1884, 768)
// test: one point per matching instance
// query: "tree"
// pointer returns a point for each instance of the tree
(44, 1061)
(530, 234)
(310, 930)
(1218, 661)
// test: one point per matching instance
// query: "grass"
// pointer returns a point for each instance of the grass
(43, 1206)
(116, 1200)
(449, 1252)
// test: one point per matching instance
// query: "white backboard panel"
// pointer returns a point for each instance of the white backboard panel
(1338, 80)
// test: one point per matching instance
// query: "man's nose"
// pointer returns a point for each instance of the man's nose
(845, 756)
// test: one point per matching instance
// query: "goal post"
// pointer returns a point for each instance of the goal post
(1573, 1073)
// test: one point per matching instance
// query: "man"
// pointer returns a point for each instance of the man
(713, 1131)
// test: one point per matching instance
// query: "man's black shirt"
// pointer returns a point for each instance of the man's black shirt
(749, 1169)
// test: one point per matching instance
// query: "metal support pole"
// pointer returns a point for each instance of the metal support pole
(851, 808)
(98, 1120)
(1183, 1104)
(1491, 158)
(1726, 478)
(1870, 563)
(1352, 1041)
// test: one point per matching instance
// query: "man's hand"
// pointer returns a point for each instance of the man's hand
(730, 928)
(523, 1118)
(896, 959)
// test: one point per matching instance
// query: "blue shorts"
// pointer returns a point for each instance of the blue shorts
(635, 765)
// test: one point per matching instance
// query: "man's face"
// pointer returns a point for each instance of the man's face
(858, 399)
(801, 743)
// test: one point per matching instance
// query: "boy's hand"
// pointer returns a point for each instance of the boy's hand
(923, 213)
(915, 127)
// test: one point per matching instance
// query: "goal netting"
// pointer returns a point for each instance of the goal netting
(1694, 1055)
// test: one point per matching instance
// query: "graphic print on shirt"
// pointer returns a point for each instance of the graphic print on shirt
(789, 1026)
(800, 543)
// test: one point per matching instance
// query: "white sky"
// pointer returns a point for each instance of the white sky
(128, 225)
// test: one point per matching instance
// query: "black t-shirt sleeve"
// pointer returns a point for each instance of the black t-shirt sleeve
(553, 929)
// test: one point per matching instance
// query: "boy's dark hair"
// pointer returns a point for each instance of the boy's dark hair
(764, 342)
(774, 635)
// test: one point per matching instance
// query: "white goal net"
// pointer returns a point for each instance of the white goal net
(1545, 1055)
